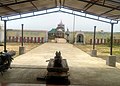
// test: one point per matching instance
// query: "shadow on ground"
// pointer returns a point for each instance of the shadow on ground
(83, 76)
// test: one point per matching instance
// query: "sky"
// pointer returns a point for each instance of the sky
(49, 21)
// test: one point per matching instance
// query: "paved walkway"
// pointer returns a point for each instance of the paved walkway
(84, 69)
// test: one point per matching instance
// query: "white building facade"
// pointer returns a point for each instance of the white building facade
(1, 34)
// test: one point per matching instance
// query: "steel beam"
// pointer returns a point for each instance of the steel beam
(64, 12)
(89, 17)
(114, 16)
(104, 2)
(34, 5)
(114, 1)
(60, 2)
(6, 7)
(106, 12)
(30, 16)
(79, 10)
(90, 5)
(63, 3)
(99, 4)
(17, 3)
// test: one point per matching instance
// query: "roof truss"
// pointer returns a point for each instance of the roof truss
(108, 9)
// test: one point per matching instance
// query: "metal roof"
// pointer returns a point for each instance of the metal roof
(109, 9)
(52, 31)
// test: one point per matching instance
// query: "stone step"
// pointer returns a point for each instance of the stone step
(19, 84)
(60, 40)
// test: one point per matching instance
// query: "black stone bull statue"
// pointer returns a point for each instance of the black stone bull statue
(58, 59)
(5, 60)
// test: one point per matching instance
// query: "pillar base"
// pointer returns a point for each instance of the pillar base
(111, 61)
(94, 53)
(21, 50)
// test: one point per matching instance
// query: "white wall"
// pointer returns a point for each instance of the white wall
(1, 34)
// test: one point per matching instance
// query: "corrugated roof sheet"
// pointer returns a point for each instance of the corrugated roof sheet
(103, 8)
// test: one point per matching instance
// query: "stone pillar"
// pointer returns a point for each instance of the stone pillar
(21, 50)
(111, 61)
(94, 53)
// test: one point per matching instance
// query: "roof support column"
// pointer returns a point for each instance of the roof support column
(111, 39)
(94, 37)
(22, 48)
(5, 25)
(22, 35)
(94, 51)
(111, 60)
(73, 28)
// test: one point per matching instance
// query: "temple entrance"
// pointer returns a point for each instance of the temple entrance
(79, 38)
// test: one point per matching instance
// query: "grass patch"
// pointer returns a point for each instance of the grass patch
(103, 51)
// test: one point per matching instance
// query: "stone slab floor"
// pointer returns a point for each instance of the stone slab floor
(84, 70)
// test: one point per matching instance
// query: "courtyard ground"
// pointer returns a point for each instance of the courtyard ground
(15, 47)
(84, 70)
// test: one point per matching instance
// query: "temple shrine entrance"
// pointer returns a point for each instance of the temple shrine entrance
(79, 38)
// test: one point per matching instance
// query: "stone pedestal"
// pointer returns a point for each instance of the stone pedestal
(94, 53)
(21, 50)
(57, 75)
(51, 68)
(111, 61)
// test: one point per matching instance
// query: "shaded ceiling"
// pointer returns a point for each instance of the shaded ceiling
(109, 9)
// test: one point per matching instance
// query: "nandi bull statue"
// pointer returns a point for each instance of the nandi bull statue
(58, 59)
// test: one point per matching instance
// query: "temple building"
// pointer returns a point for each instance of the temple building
(60, 30)
(57, 32)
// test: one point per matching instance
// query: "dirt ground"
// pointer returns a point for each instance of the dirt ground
(15, 47)
(84, 70)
